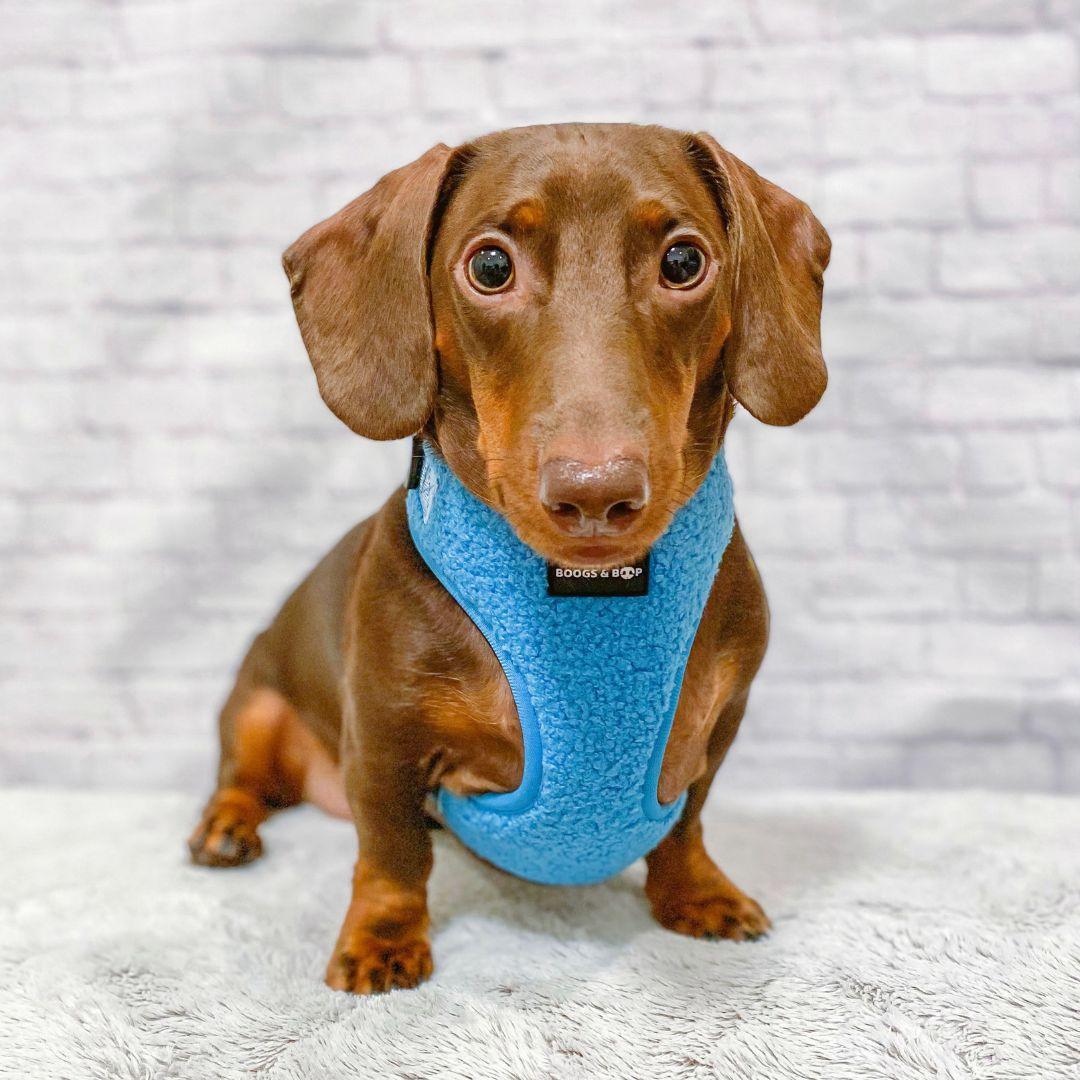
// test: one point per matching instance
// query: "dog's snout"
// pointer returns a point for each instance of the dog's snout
(594, 500)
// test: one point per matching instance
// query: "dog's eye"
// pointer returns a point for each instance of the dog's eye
(490, 269)
(683, 265)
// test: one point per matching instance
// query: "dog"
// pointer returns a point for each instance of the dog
(569, 314)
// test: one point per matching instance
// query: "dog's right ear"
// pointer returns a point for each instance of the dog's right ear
(360, 290)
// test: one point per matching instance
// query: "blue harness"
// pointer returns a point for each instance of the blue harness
(595, 679)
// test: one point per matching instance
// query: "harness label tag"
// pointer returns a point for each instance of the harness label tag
(629, 580)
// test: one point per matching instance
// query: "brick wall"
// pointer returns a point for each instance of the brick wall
(167, 469)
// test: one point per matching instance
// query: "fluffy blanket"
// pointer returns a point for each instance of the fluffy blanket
(915, 936)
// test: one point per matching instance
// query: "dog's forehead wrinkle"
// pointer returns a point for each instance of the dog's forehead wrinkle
(524, 169)
(597, 175)
(577, 138)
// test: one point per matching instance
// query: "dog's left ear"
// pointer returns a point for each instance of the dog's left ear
(360, 291)
(772, 358)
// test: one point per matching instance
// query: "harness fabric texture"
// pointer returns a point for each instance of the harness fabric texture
(595, 679)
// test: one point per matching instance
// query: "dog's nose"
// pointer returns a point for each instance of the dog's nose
(594, 500)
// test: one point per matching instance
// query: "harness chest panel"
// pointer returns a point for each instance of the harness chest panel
(595, 679)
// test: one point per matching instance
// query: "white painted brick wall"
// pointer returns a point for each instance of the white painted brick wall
(167, 470)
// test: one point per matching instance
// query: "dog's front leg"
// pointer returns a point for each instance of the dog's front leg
(383, 944)
(688, 892)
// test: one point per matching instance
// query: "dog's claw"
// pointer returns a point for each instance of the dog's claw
(224, 838)
(733, 917)
(374, 966)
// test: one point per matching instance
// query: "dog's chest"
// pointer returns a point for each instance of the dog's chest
(595, 680)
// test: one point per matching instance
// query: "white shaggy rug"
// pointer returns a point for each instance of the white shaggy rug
(915, 936)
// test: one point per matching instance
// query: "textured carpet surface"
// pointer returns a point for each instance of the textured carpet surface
(915, 936)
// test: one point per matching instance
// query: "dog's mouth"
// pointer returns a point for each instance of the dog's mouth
(597, 555)
(585, 552)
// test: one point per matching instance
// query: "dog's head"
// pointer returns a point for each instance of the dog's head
(570, 313)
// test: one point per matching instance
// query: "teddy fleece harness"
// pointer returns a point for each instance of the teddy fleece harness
(595, 678)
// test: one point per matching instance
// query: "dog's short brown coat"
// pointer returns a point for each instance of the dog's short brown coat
(371, 687)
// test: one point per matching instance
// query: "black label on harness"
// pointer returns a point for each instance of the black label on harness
(631, 580)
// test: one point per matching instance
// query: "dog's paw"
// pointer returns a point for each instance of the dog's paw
(723, 913)
(227, 835)
(372, 966)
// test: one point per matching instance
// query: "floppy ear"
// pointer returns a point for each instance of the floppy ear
(360, 291)
(772, 358)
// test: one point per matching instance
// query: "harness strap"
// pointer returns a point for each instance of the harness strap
(596, 679)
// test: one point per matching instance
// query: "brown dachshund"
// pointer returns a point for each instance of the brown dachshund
(569, 314)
